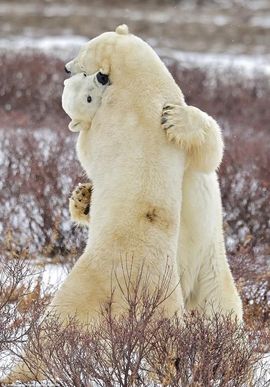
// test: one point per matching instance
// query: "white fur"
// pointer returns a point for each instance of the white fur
(74, 100)
(136, 174)
(206, 280)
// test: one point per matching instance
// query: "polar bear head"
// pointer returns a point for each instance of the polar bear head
(132, 65)
(97, 53)
(82, 97)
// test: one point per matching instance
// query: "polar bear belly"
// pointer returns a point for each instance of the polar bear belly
(135, 206)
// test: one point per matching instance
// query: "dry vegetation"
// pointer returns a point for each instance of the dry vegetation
(38, 171)
(141, 348)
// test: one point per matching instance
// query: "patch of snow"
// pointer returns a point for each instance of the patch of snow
(66, 47)
(60, 46)
(221, 20)
(53, 275)
(255, 5)
(261, 21)
(243, 63)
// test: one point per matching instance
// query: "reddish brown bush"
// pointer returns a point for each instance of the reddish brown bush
(37, 178)
(19, 295)
(30, 91)
(141, 348)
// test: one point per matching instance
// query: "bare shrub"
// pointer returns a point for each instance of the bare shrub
(19, 292)
(252, 276)
(37, 178)
(142, 348)
(30, 91)
(245, 183)
(226, 92)
(127, 352)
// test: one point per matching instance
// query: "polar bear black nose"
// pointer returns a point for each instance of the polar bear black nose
(67, 71)
(102, 78)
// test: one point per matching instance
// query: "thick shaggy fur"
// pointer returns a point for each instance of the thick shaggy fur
(136, 174)
(206, 280)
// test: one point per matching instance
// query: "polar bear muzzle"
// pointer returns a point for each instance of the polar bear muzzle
(102, 78)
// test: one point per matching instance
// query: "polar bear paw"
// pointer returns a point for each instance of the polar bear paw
(79, 203)
(183, 125)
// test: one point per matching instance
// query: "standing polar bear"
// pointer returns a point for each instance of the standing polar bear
(127, 156)
(205, 277)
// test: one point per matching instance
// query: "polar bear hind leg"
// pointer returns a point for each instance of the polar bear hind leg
(215, 290)
(195, 132)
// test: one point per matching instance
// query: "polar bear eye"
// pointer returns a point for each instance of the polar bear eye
(89, 99)
(84, 74)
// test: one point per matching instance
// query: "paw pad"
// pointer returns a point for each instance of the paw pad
(79, 203)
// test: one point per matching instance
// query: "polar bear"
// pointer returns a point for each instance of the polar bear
(206, 280)
(128, 159)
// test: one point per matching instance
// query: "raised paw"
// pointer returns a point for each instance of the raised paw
(79, 203)
(184, 125)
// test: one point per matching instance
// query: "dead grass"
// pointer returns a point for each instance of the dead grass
(138, 348)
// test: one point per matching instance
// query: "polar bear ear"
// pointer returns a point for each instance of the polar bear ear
(77, 126)
(122, 29)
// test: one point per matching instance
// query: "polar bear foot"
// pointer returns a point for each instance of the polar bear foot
(183, 125)
(79, 203)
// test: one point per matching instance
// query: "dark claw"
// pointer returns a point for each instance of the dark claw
(168, 107)
(163, 120)
(86, 211)
(169, 127)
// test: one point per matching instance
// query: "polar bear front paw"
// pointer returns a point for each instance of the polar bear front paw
(79, 203)
(183, 125)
